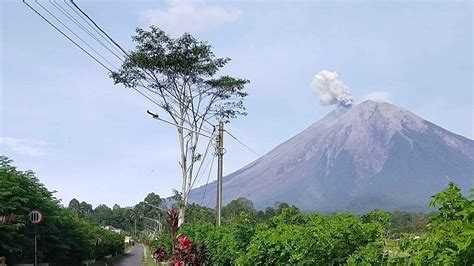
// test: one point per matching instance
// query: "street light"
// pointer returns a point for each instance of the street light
(157, 207)
(154, 206)
(158, 222)
(157, 117)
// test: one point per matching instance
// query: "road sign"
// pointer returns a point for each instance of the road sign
(36, 216)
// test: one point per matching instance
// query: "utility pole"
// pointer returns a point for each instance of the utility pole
(220, 165)
(36, 257)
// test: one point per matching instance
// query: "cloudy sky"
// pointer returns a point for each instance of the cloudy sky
(62, 117)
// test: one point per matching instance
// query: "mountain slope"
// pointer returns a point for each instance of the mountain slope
(373, 155)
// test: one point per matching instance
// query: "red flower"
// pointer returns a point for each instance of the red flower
(178, 263)
(184, 241)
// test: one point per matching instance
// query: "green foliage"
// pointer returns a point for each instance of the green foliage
(295, 238)
(290, 216)
(163, 240)
(197, 213)
(449, 242)
(237, 207)
(280, 235)
(371, 254)
(183, 75)
(377, 216)
(221, 244)
(179, 70)
(102, 214)
(292, 237)
(64, 238)
(135, 217)
(243, 230)
(270, 212)
(404, 222)
(148, 207)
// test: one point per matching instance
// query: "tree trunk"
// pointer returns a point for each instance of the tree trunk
(135, 228)
(184, 175)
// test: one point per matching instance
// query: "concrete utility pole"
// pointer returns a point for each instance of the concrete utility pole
(220, 165)
(36, 249)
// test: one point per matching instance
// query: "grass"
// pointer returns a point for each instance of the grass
(148, 259)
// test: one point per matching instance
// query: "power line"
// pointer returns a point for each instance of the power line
(109, 39)
(243, 144)
(95, 24)
(80, 25)
(90, 20)
(200, 165)
(65, 35)
(82, 48)
(207, 182)
(92, 27)
(150, 98)
(64, 25)
(144, 94)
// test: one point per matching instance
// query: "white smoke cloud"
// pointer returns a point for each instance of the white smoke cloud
(331, 90)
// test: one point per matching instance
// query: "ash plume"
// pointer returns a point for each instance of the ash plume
(331, 90)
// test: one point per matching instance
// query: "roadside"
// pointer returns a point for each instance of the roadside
(148, 258)
(133, 256)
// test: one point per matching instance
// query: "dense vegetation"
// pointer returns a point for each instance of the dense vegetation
(280, 234)
(64, 238)
(284, 235)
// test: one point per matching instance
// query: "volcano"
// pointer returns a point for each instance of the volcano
(372, 155)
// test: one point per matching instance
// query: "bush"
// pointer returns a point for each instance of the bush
(311, 239)
(220, 242)
(165, 241)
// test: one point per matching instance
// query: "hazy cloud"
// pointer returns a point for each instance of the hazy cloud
(379, 96)
(181, 16)
(25, 147)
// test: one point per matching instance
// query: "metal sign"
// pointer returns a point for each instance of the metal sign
(36, 216)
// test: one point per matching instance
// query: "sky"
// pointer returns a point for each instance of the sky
(86, 138)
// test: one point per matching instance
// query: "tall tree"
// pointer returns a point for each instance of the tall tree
(75, 207)
(102, 214)
(86, 209)
(237, 207)
(152, 207)
(181, 73)
(135, 217)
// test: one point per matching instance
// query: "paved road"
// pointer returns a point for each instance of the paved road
(133, 258)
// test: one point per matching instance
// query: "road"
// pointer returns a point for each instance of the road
(132, 258)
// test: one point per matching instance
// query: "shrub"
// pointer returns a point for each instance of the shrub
(310, 239)
(220, 241)
(163, 242)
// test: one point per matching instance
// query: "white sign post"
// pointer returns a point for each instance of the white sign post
(36, 217)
